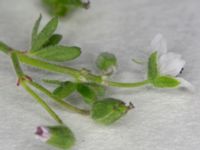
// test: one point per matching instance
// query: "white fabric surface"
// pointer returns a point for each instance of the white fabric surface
(162, 120)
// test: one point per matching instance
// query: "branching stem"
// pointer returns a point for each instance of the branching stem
(23, 82)
(77, 74)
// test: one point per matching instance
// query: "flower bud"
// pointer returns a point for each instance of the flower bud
(109, 110)
(106, 62)
(59, 136)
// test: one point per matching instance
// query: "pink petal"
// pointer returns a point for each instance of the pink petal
(42, 133)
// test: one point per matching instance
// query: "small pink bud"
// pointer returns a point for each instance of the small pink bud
(59, 136)
(42, 133)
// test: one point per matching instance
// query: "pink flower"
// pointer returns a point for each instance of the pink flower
(42, 133)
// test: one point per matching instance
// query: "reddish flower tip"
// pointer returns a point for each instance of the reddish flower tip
(42, 133)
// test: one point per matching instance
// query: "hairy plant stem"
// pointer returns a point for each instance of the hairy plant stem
(128, 85)
(55, 82)
(63, 103)
(23, 82)
(75, 73)
(41, 102)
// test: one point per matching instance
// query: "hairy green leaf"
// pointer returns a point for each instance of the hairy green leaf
(152, 66)
(87, 93)
(166, 82)
(35, 29)
(45, 34)
(65, 89)
(53, 40)
(58, 53)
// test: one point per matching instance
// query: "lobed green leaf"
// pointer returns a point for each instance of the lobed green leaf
(35, 29)
(45, 34)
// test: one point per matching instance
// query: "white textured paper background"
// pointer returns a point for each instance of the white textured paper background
(162, 120)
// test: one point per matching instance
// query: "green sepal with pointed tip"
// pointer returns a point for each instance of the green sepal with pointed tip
(61, 137)
(154, 76)
(97, 88)
(88, 94)
(65, 89)
(152, 67)
(166, 82)
(108, 111)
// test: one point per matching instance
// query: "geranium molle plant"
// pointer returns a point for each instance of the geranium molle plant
(46, 53)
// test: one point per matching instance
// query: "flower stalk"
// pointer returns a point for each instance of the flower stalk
(59, 101)
(23, 82)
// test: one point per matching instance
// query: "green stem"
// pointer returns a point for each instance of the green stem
(5, 48)
(56, 82)
(47, 66)
(63, 103)
(66, 70)
(127, 85)
(16, 65)
(42, 103)
(75, 73)
(23, 81)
